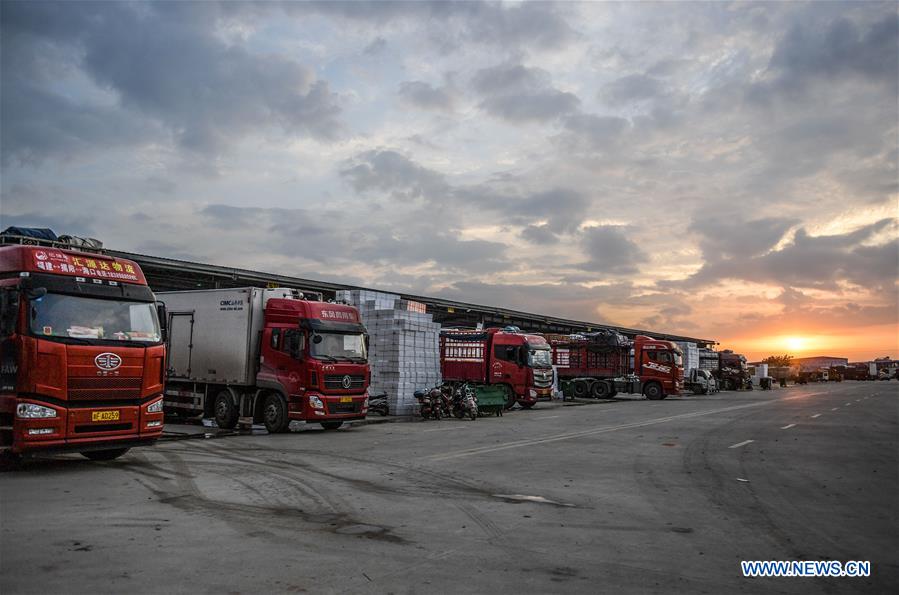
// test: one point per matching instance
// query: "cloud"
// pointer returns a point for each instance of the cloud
(424, 96)
(723, 236)
(611, 251)
(519, 94)
(390, 171)
(631, 88)
(817, 261)
(165, 68)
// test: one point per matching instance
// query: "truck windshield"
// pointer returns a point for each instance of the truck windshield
(539, 358)
(77, 317)
(337, 346)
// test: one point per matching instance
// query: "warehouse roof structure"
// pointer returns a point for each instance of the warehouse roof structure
(169, 274)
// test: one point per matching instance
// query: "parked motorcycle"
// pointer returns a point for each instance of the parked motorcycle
(378, 404)
(465, 403)
(430, 403)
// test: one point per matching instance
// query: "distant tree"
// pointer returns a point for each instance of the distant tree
(784, 360)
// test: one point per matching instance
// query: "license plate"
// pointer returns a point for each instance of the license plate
(105, 415)
(346, 399)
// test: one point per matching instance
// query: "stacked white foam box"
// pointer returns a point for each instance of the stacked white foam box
(404, 349)
(691, 355)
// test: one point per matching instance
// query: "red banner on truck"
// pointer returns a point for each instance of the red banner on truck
(89, 265)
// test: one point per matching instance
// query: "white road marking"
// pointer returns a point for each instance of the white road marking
(605, 429)
(858, 400)
(444, 429)
(816, 415)
(847, 404)
(739, 444)
(549, 417)
(788, 427)
(834, 408)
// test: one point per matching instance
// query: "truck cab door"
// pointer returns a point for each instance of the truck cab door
(282, 349)
(507, 368)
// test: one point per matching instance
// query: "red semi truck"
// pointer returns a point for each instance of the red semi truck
(265, 355)
(518, 362)
(605, 363)
(82, 353)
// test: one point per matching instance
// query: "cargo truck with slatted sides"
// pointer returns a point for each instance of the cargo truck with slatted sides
(82, 351)
(516, 362)
(603, 364)
(252, 355)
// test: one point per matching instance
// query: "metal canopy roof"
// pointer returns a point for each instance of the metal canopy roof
(172, 274)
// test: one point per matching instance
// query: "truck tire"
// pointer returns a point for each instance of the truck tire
(331, 425)
(580, 389)
(511, 398)
(600, 390)
(274, 414)
(225, 410)
(104, 455)
(653, 391)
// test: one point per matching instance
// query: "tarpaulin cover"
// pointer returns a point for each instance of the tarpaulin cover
(607, 338)
(40, 233)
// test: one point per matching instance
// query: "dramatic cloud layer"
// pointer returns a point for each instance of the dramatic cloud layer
(722, 170)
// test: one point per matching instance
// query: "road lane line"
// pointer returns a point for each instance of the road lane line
(444, 429)
(593, 431)
(549, 417)
(605, 429)
(739, 444)
(816, 415)
(834, 408)
(788, 427)
(847, 404)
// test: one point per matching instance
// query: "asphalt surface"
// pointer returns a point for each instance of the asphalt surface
(640, 496)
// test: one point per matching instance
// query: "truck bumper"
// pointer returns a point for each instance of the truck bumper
(83, 428)
(333, 408)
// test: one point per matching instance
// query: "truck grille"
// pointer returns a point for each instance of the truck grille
(104, 388)
(335, 381)
(543, 378)
(344, 407)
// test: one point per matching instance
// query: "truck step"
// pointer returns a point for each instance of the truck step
(5, 428)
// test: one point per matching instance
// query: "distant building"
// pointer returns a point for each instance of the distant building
(809, 364)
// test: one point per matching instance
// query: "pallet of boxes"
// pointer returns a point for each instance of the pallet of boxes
(404, 348)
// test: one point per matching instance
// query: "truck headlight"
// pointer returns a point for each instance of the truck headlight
(155, 407)
(30, 411)
(316, 402)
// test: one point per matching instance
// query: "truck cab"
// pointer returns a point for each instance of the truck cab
(659, 365)
(523, 362)
(317, 354)
(520, 363)
(82, 353)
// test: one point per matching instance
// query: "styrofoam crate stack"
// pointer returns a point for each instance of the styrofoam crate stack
(404, 348)
(691, 355)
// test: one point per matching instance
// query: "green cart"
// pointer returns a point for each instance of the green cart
(491, 399)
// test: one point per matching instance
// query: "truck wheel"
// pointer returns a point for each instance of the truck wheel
(653, 392)
(510, 397)
(225, 411)
(105, 455)
(580, 388)
(331, 425)
(274, 414)
(600, 390)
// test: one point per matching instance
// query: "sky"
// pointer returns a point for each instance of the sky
(724, 171)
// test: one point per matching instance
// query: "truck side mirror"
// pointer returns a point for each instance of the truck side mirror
(9, 310)
(163, 321)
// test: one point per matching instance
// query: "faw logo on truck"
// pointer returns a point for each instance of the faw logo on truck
(657, 367)
(108, 361)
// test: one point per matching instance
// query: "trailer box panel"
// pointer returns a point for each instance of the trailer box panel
(214, 334)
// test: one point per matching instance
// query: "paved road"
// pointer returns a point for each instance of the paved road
(646, 496)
